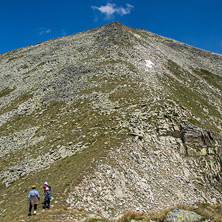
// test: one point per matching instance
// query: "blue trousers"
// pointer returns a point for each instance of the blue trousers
(47, 202)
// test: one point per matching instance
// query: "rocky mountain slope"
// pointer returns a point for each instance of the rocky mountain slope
(115, 119)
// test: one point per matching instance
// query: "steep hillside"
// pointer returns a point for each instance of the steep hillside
(114, 118)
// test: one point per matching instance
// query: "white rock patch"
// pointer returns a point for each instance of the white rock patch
(137, 36)
(149, 64)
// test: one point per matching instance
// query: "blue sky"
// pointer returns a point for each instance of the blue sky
(28, 22)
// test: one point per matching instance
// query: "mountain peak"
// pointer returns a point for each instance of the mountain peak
(114, 118)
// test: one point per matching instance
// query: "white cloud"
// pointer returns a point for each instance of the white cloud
(125, 11)
(110, 8)
(44, 31)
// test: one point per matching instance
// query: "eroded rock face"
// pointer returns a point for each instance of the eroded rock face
(195, 136)
(156, 168)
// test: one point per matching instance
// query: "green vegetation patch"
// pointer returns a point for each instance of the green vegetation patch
(15, 103)
(112, 63)
(211, 78)
(108, 62)
(6, 91)
(174, 68)
(128, 93)
(34, 69)
(181, 73)
(191, 99)
(13, 58)
(81, 49)
(96, 55)
(98, 220)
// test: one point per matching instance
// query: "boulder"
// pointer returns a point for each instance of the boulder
(178, 215)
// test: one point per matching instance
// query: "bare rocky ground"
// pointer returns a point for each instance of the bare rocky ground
(115, 118)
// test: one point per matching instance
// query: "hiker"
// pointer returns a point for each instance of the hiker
(45, 186)
(33, 199)
(47, 198)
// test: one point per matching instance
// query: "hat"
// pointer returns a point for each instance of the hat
(33, 186)
(46, 183)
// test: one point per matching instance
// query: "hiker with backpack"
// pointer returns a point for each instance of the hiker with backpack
(33, 200)
(47, 198)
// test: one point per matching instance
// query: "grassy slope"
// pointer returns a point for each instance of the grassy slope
(191, 95)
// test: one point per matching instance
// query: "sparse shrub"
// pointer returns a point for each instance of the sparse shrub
(205, 210)
(131, 215)
(6, 91)
(97, 220)
(213, 212)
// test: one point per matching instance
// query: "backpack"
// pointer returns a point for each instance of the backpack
(49, 196)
